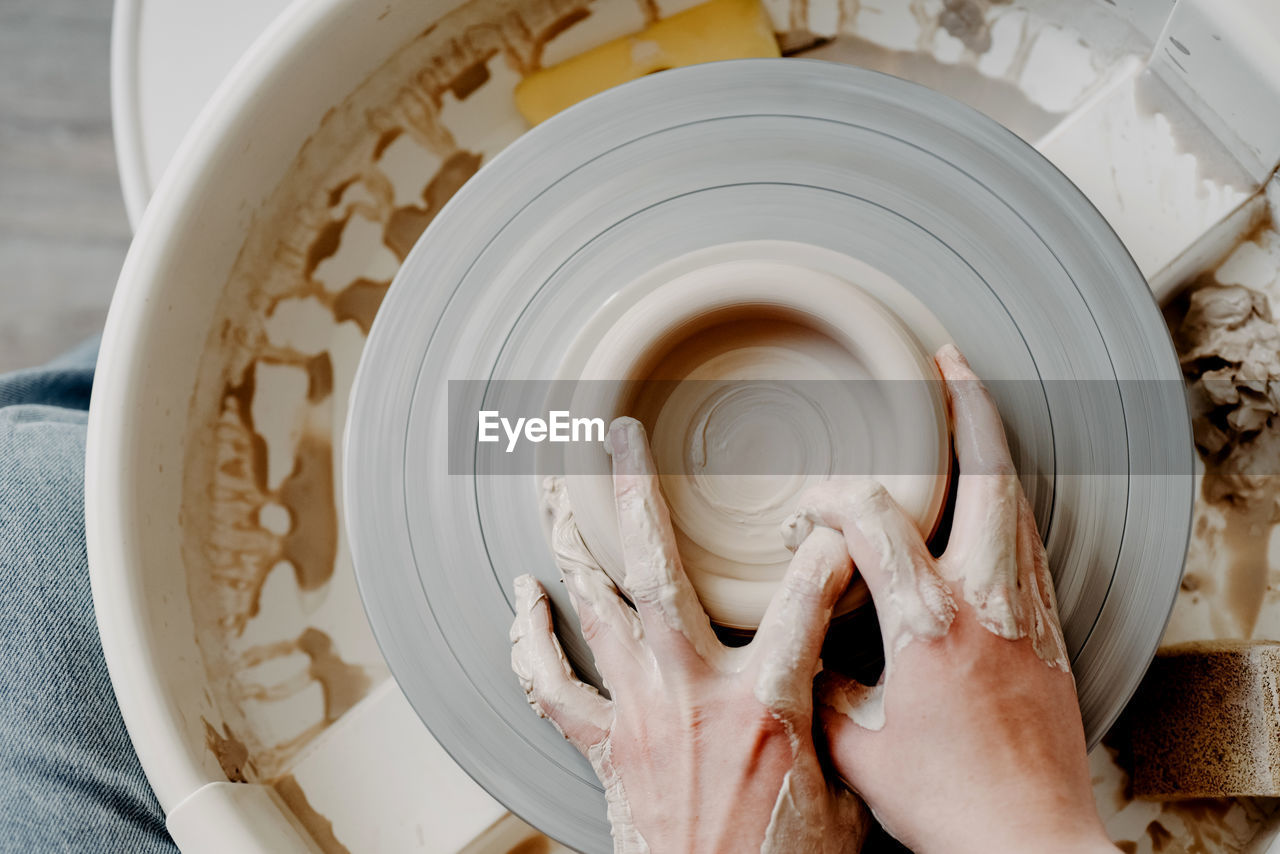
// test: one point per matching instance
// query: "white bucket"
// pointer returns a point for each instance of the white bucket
(231, 660)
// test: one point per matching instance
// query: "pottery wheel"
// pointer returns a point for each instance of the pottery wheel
(1020, 269)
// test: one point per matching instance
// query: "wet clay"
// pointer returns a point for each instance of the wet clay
(995, 559)
(232, 755)
(536, 845)
(318, 827)
(342, 684)
(1230, 351)
(988, 54)
(307, 272)
(548, 684)
(752, 390)
(310, 544)
(406, 224)
(1230, 587)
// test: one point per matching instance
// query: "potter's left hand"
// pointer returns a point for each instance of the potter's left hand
(702, 747)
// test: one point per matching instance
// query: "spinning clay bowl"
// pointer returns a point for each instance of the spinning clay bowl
(755, 379)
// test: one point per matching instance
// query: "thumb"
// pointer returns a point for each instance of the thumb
(861, 705)
(911, 598)
(851, 716)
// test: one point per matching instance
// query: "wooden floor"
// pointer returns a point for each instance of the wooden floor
(63, 231)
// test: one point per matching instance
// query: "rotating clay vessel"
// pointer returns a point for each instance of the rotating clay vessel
(757, 378)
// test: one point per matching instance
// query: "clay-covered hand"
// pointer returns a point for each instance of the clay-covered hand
(972, 740)
(702, 747)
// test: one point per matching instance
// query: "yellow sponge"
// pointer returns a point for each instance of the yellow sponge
(719, 29)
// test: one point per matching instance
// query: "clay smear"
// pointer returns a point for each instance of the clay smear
(919, 604)
(318, 827)
(309, 543)
(260, 492)
(1026, 68)
(1002, 572)
(232, 755)
(1225, 329)
(1230, 345)
(553, 693)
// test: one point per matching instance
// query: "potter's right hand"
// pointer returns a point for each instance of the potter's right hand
(972, 740)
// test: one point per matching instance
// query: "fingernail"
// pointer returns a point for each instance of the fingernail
(797, 527)
(573, 582)
(957, 368)
(527, 589)
(949, 352)
(624, 443)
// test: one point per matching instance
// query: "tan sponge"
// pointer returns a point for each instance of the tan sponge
(1206, 722)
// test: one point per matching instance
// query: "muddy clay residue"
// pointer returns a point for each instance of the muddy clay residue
(989, 54)
(1230, 350)
(1228, 343)
(534, 845)
(310, 542)
(260, 482)
(230, 752)
(342, 684)
(406, 224)
(1158, 838)
(1161, 839)
(1208, 826)
(317, 826)
(359, 303)
(999, 96)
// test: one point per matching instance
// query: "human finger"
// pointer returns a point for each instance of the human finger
(850, 716)
(675, 623)
(1040, 615)
(609, 625)
(911, 598)
(789, 642)
(576, 709)
(987, 488)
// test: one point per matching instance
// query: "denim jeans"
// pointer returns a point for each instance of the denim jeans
(69, 779)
